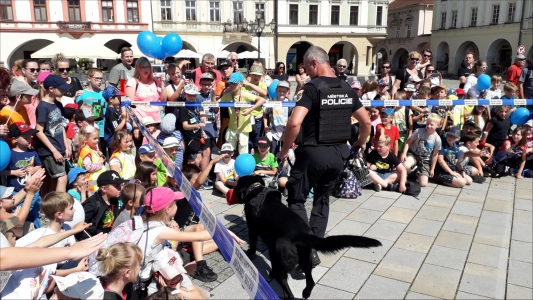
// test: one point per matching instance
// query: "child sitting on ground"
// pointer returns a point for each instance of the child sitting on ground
(227, 178)
(77, 179)
(147, 153)
(132, 196)
(447, 170)
(422, 149)
(266, 163)
(382, 163)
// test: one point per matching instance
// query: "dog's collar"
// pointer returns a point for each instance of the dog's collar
(252, 187)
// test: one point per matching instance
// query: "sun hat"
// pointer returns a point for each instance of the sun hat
(170, 142)
(256, 70)
(356, 84)
(159, 198)
(148, 121)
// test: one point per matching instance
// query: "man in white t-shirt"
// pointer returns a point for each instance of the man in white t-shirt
(225, 170)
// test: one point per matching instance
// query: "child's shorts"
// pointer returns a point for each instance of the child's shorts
(423, 167)
(444, 177)
(52, 167)
(384, 175)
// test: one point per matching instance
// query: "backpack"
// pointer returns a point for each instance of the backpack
(129, 231)
(413, 188)
(347, 186)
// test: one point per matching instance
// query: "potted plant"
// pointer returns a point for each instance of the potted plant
(85, 63)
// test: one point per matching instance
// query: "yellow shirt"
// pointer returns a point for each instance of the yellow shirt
(20, 116)
(256, 112)
(244, 124)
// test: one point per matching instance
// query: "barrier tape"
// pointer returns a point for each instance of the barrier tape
(390, 103)
(251, 280)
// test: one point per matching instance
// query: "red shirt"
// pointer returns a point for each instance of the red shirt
(392, 132)
(198, 72)
(513, 74)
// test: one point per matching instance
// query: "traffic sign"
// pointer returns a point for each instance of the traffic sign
(521, 49)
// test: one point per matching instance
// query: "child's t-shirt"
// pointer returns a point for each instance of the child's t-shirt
(400, 120)
(161, 172)
(499, 131)
(113, 117)
(227, 169)
(239, 123)
(20, 160)
(449, 153)
(51, 115)
(493, 94)
(256, 112)
(461, 158)
(122, 217)
(278, 120)
(423, 145)
(383, 164)
(391, 132)
(75, 194)
(97, 101)
(269, 163)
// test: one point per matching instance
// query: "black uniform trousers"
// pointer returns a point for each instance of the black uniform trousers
(318, 167)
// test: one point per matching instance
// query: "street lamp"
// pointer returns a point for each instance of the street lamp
(256, 28)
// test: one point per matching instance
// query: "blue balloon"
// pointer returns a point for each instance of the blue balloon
(483, 82)
(150, 44)
(171, 44)
(5, 154)
(520, 116)
(272, 89)
(244, 164)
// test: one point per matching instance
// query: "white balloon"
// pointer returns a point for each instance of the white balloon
(79, 215)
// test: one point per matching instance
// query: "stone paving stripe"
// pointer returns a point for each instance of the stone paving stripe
(472, 196)
(433, 213)
(372, 255)
(523, 216)
(494, 235)
(398, 214)
(344, 206)
(468, 296)
(454, 240)
(483, 281)
(441, 201)
(409, 202)
(386, 230)
(424, 227)
(364, 215)
(524, 194)
(349, 227)
(377, 203)
(437, 281)
(496, 218)
(447, 257)
(446, 190)
(400, 264)
(523, 204)
(377, 287)
(416, 296)
(520, 273)
(499, 206)
(487, 255)
(521, 251)
(329, 260)
(414, 242)
(460, 224)
(348, 274)
(519, 292)
(467, 208)
(522, 232)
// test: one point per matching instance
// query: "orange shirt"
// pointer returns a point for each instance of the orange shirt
(20, 116)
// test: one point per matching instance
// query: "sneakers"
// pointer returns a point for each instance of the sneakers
(478, 179)
(207, 185)
(489, 172)
(392, 187)
(377, 187)
(204, 273)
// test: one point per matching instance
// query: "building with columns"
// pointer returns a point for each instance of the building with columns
(27, 26)
(490, 29)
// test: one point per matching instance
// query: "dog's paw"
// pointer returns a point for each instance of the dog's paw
(250, 252)
(307, 292)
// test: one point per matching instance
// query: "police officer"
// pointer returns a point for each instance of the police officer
(320, 126)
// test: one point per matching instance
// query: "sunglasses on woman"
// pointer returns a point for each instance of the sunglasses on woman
(34, 70)
(62, 70)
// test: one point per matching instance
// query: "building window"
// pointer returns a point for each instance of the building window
(473, 16)
(107, 11)
(293, 14)
(214, 11)
(238, 16)
(335, 12)
(313, 14)
(495, 14)
(133, 11)
(443, 20)
(39, 7)
(379, 16)
(408, 31)
(354, 15)
(510, 12)
(397, 32)
(74, 13)
(190, 10)
(166, 10)
(454, 19)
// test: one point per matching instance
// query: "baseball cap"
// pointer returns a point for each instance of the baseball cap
(224, 63)
(148, 121)
(459, 91)
(388, 111)
(520, 56)
(469, 123)
(80, 285)
(74, 173)
(20, 88)
(455, 131)
(86, 115)
(146, 148)
(207, 75)
(170, 142)
(169, 263)
(263, 141)
(8, 224)
(409, 87)
(226, 148)
(72, 106)
(285, 84)
(109, 177)
(256, 70)
(6, 192)
(110, 92)
(356, 84)
(159, 198)
(472, 93)
(43, 76)
(19, 129)
(236, 78)
(56, 81)
(452, 92)
(414, 78)
(383, 82)
(191, 89)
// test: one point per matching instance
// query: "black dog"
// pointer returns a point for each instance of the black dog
(287, 236)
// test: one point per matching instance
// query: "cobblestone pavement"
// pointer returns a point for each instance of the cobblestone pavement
(470, 243)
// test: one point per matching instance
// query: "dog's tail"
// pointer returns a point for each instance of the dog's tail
(332, 244)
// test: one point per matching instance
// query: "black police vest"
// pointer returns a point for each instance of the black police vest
(332, 126)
